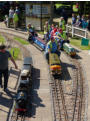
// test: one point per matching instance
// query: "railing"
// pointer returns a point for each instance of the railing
(83, 33)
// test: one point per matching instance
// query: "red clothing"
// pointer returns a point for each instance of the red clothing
(53, 32)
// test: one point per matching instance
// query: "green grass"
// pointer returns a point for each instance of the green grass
(17, 53)
(60, 5)
(2, 39)
(22, 41)
(77, 42)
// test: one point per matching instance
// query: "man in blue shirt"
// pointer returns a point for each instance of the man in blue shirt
(52, 47)
(73, 19)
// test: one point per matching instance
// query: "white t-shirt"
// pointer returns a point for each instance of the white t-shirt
(11, 12)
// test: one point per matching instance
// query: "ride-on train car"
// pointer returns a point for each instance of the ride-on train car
(24, 86)
(40, 42)
(55, 64)
(66, 46)
(69, 49)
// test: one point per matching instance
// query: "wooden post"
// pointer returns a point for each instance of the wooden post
(52, 10)
(85, 33)
(41, 17)
(72, 31)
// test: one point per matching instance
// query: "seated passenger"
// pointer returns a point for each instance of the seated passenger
(51, 28)
(63, 38)
(57, 35)
(46, 31)
(53, 32)
(52, 47)
(31, 31)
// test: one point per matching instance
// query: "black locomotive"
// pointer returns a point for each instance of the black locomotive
(24, 86)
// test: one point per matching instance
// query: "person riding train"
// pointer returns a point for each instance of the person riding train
(52, 47)
(31, 31)
(62, 36)
(46, 31)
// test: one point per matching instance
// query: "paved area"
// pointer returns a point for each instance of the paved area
(42, 103)
(6, 99)
(41, 107)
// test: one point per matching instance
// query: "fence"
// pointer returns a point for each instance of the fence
(83, 33)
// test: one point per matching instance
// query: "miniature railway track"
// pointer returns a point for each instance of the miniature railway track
(60, 111)
(78, 100)
(13, 31)
(63, 112)
(77, 110)
(74, 111)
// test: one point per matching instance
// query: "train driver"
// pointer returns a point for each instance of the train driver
(52, 47)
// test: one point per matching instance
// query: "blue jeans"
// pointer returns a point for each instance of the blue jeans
(5, 74)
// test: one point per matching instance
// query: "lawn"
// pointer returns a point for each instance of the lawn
(60, 5)
(22, 41)
(16, 53)
(2, 39)
(77, 42)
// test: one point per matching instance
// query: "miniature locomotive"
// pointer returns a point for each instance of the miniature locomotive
(55, 64)
(24, 86)
(69, 49)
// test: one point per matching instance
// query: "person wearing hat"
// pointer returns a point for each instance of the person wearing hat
(52, 47)
(4, 56)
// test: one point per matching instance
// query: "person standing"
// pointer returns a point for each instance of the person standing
(17, 10)
(64, 15)
(18, 13)
(6, 20)
(15, 20)
(62, 24)
(73, 19)
(11, 12)
(4, 56)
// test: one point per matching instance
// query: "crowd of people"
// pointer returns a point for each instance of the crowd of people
(83, 21)
(13, 17)
(54, 37)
